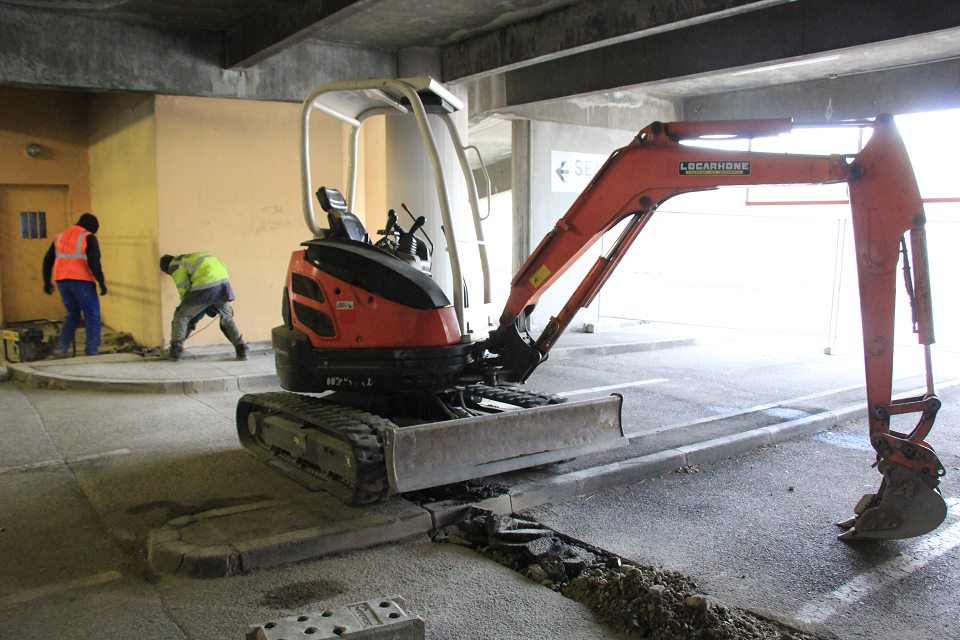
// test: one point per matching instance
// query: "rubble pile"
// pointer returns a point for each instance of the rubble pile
(639, 601)
(664, 605)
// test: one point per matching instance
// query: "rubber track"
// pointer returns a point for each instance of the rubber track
(514, 394)
(359, 429)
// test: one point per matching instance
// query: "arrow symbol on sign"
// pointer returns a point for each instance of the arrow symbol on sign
(562, 172)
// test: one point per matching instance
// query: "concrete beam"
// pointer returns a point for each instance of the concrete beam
(578, 28)
(501, 177)
(105, 55)
(774, 33)
(630, 114)
(626, 110)
(294, 73)
(912, 89)
(270, 28)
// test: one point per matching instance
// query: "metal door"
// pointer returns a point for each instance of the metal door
(30, 217)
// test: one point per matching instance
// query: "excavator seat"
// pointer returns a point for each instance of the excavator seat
(343, 224)
(347, 225)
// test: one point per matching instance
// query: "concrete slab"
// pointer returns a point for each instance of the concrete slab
(102, 605)
(20, 423)
(287, 529)
(38, 508)
(233, 540)
(459, 594)
(213, 369)
(140, 460)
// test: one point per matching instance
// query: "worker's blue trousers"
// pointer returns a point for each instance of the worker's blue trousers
(80, 297)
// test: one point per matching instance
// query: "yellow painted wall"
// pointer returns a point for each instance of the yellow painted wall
(57, 121)
(124, 193)
(174, 175)
(228, 181)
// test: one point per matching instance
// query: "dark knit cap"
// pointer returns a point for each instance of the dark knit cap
(165, 263)
(89, 222)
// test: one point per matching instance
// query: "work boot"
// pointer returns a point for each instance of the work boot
(242, 350)
(176, 350)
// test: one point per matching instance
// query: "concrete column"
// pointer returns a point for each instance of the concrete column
(410, 179)
(521, 192)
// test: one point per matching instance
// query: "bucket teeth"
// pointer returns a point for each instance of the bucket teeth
(908, 504)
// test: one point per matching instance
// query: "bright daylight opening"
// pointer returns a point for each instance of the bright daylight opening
(780, 259)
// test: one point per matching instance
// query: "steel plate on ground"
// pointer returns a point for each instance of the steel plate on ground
(439, 453)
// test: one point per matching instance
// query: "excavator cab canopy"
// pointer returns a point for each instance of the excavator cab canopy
(353, 102)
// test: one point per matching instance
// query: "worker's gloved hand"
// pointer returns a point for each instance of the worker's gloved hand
(103, 289)
(48, 288)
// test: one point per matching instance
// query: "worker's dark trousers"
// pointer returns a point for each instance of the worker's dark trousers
(80, 298)
(186, 312)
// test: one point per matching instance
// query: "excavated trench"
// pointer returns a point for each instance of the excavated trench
(464, 492)
(636, 600)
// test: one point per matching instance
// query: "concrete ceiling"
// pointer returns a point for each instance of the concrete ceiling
(604, 62)
(254, 29)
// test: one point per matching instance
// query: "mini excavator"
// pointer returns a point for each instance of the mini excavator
(404, 397)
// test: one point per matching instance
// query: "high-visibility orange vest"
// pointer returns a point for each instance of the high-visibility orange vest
(71, 254)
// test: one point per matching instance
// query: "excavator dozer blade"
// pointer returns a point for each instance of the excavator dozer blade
(906, 506)
(439, 453)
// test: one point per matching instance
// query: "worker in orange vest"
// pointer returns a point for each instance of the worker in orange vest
(73, 261)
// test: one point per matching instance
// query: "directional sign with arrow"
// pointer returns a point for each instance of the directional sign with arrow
(571, 171)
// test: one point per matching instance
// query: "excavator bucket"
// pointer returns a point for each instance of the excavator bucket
(905, 506)
(435, 454)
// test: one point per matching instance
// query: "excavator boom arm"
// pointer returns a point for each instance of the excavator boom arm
(885, 203)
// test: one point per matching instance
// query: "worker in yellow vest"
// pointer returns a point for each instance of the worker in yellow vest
(204, 287)
(73, 261)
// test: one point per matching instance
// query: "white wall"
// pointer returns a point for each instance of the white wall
(549, 205)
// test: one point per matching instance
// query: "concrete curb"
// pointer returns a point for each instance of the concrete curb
(580, 483)
(168, 550)
(174, 547)
(37, 379)
(562, 353)
(46, 378)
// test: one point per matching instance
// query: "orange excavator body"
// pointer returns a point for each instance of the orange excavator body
(412, 400)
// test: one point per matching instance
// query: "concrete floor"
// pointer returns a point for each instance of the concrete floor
(86, 475)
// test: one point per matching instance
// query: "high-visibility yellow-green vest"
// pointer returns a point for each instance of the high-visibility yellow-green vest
(196, 271)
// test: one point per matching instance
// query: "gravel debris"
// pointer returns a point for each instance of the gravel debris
(690, 468)
(636, 600)
(665, 605)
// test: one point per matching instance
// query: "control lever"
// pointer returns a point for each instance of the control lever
(391, 223)
(417, 224)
